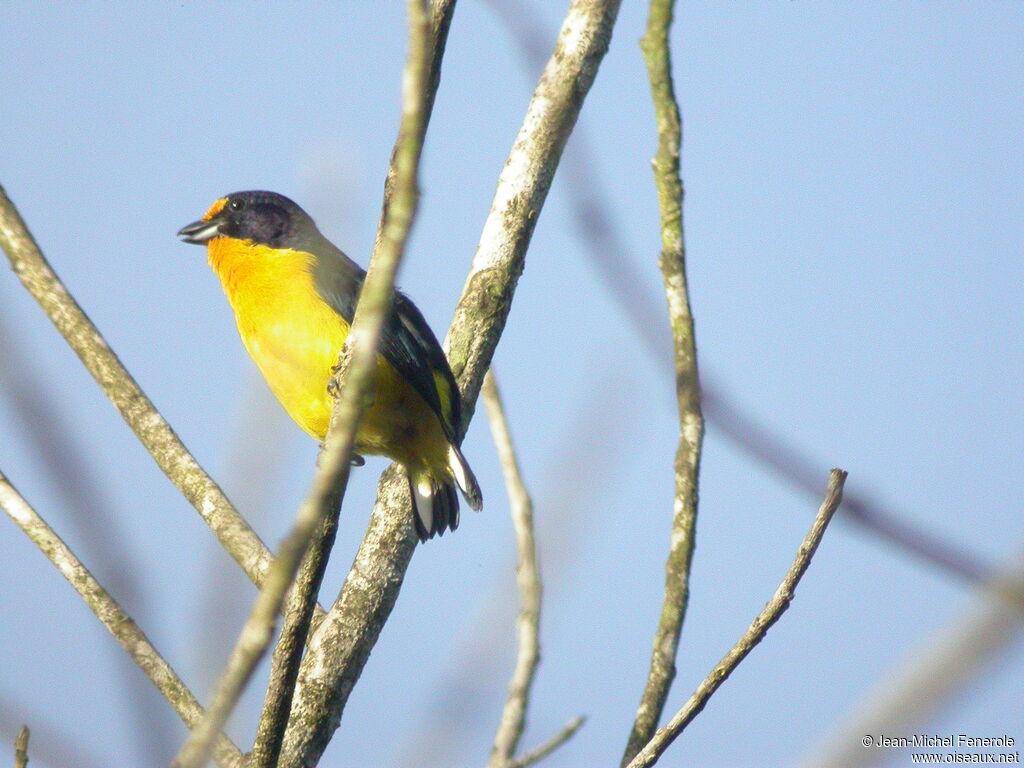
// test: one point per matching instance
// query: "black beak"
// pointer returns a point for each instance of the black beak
(199, 232)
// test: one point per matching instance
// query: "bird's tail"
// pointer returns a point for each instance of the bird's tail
(435, 499)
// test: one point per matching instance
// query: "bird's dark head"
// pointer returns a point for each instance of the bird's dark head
(265, 218)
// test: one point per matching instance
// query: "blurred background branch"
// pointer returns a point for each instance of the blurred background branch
(945, 666)
(42, 419)
(609, 256)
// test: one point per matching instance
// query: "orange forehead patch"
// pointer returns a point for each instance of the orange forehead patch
(215, 209)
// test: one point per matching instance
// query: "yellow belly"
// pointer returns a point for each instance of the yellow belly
(295, 338)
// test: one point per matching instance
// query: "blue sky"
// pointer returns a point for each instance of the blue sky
(854, 231)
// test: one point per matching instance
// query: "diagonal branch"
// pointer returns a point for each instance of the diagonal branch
(302, 600)
(755, 633)
(513, 716)
(339, 648)
(138, 411)
(543, 750)
(114, 618)
(357, 368)
(655, 46)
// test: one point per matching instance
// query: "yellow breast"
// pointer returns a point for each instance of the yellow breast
(292, 334)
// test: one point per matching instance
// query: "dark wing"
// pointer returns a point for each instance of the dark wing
(407, 342)
(411, 347)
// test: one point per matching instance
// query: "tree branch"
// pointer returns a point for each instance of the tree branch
(662, 672)
(339, 648)
(357, 368)
(114, 618)
(513, 716)
(755, 633)
(21, 748)
(166, 448)
(549, 746)
(298, 613)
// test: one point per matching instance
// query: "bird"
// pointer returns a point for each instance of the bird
(294, 296)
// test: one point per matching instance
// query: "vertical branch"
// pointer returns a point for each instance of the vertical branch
(21, 748)
(357, 367)
(339, 648)
(755, 633)
(114, 618)
(427, 41)
(135, 408)
(655, 46)
(513, 716)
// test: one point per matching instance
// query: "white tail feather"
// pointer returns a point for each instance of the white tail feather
(423, 498)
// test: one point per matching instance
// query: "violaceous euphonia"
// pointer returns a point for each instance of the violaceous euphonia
(294, 296)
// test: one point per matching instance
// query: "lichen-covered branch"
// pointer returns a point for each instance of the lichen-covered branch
(339, 648)
(513, 716)
(114, 618)
(166, 448)
(662, 671)
(354, 380)
(755, 633)
(302, 600)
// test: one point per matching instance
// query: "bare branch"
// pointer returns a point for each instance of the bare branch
(138, 411)
(339, 648)
(354, 381)
(513, 716)
(755, 633)
(549, 746)
(949, 661)
(21, 748)
(114, 618)
(288, 652)
(662, 672)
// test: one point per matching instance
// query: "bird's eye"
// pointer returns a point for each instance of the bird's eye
(236, 205)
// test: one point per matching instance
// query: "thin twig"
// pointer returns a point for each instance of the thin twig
(339, 648)
(755, 633)
(354, 380)
(21, 748)
(114, 618)
(425, 55)
(608, 254)
(513, 716)
(662, 671)
(549, 746)
(138, 411)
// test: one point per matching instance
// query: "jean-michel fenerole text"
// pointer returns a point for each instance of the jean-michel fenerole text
(936, 740)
